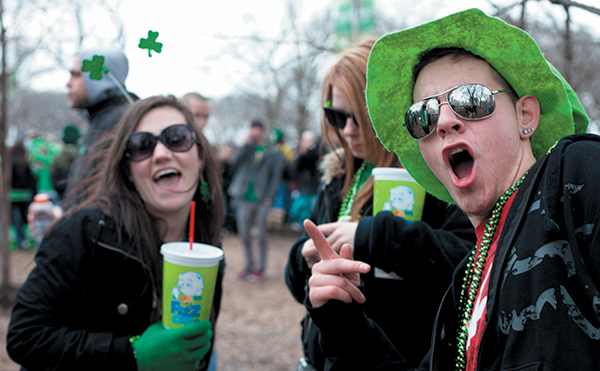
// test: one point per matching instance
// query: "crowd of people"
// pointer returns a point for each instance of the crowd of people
(43, 164)
(502, 272)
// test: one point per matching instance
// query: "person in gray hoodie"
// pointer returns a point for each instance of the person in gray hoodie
(102, 98)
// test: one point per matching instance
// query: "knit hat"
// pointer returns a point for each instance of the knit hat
(278, 135)
(70, 135)
(510, 50)
(117, 64)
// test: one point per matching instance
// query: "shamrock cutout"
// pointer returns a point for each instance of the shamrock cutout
(205, 192)
(150, 43)
(95, 67)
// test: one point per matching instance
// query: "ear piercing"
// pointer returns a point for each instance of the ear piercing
(527, 131)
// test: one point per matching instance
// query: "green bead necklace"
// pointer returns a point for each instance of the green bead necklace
(473, 273)
(344, 214)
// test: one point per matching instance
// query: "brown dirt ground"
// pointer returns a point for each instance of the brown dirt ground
(258, 328)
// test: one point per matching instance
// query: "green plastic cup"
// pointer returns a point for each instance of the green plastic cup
(396, 191)
(189, 279)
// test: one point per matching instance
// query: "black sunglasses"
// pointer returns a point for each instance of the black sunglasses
(338, 118)
(177, 138)
(469, 102)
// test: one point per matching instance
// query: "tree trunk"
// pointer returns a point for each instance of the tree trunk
(5, 207)
(568, 73)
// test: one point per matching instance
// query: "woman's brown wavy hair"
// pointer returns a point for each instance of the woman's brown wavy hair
(349, 74)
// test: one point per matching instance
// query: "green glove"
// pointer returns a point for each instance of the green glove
(177, 349)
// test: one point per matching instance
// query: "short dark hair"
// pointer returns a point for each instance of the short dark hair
(257, 124)
(459, 54)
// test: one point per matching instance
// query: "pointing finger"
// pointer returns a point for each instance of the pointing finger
(319, 240)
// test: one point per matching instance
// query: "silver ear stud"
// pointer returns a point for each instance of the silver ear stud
(527, 131)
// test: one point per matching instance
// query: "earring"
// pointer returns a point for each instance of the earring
(205, 191)
(527, 131)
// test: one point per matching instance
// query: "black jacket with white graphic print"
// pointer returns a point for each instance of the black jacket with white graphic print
(543, 308)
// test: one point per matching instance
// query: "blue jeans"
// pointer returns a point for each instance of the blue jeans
(212, 366)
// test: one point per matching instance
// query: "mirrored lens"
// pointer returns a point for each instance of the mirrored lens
(421, 118)
(472, 101)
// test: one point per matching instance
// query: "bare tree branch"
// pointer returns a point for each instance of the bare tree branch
(568, 3)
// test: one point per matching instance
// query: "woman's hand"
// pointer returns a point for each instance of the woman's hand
(178, 349)
(335, 276)
(339, 234)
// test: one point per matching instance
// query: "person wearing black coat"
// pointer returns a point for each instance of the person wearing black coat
(103, 100)
(414, 261)
(414, 267)
(519, 164)
(94, 299)
(23, 188)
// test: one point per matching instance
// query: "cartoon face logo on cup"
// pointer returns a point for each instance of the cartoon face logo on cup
(401, 201)
(190, 285)
(188, 289)
(396, 191)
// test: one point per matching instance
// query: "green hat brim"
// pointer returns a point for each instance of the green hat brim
(510, 50)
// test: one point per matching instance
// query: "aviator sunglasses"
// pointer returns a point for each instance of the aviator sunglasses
(177, 138)
(336, 117)
(469, 102)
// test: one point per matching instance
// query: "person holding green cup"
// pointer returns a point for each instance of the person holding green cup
(481, 118)
(94, 299)
(412, 258)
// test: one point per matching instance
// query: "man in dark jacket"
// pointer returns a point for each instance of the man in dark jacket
(258, 170)
(103, 99)
(527, 297)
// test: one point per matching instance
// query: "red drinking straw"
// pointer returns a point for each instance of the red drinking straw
(192, 217)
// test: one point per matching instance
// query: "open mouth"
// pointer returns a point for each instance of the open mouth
(167, 178)
(461, 162)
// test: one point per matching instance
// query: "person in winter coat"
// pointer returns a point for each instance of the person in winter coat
(258, 168)
(415, 261)
(306, 175)
(102, 98)
(61, 166)
(487, 124)
(93, 300)
(23, 188)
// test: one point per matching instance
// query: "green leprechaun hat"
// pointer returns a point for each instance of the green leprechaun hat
(508, 49)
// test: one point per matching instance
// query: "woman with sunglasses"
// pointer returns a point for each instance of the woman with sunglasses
(415, 261)
(93, 301)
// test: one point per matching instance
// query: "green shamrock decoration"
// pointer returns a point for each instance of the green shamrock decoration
(95, 67)
(150, 43)
(205, 192)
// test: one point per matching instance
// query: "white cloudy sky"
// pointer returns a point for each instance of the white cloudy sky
(194, 34)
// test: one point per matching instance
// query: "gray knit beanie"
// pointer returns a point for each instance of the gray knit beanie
(117, 64)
